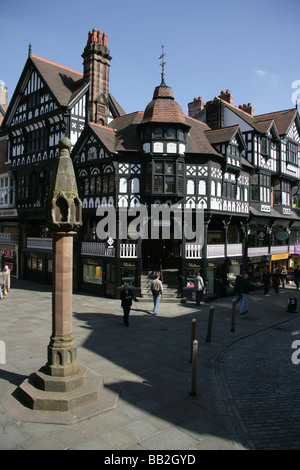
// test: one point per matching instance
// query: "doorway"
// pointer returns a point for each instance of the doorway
(161, 254)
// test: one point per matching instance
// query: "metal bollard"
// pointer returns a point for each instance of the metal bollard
(193, 336)
(209, 326)
(193, 392)
(233, 317)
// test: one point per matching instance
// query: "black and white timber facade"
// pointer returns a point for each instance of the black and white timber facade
(240, 170)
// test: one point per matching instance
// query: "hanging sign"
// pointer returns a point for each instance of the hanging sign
(281, 235)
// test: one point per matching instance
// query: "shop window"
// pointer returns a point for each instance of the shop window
(92, 274)
(128, 275)
(233, 271)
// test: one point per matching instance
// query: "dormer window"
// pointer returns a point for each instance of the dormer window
(265, 146)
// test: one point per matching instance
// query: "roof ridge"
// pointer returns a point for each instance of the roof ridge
(56, 64)
(222, 128)
(275, 112)
(101, 126)
(236, 107)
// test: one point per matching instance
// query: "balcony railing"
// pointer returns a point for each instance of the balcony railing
(193, 251)
(97, 249)
(39, 243)
(215, 251)
(128, 250)
(258, 251)
(9, 237)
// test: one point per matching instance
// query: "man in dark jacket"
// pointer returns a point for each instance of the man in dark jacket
(237, 288)
(297, 276)
(266, 277)
(126, 298)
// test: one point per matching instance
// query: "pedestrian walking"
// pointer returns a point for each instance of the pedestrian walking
(245, 289)
(237, 289)
(198, 288)
(266, 277)
(283, 275)
(157, 290)
(297, 276)
(6, 280)
(126, 297)
(276, 281)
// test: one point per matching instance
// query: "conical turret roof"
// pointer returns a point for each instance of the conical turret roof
(163, 107)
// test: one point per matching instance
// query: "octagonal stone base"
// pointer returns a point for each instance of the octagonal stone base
(63, 400)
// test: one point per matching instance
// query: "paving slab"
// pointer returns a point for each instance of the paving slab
(246, 382)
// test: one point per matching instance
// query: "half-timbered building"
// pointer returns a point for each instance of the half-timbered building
(237, 170)
(50, 101)
(272, 148)
(163, 158)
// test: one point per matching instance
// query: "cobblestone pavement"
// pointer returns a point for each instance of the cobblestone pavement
(261, 388)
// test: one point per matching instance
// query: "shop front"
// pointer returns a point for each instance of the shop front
(234, 268)
(9, 258)
(99, 276)
(38, 266)
(256, 267)
(278, 261)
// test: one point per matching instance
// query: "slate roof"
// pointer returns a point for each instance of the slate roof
(222, 135)
(197, 141)
(127, 135)
(106, 134)
(263, 122)
(63, 82)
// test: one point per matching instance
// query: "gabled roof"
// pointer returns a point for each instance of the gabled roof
(197, 140)
(127, 135)
(63, 82)
(106, 135)
(224, 134)
(263, 122)
(282, 119)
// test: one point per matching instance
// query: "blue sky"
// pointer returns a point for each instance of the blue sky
(249, 46)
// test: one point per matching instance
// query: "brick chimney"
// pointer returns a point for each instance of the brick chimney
(3, 94)
(195, 107)
(226, 96)
(248, 108)
(96, 63)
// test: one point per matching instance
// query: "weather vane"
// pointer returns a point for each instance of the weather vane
(162, 63)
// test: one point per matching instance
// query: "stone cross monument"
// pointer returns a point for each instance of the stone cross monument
(63, 390)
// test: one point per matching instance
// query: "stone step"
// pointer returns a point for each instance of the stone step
(85, 393)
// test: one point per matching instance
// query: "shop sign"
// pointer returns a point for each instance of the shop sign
(128, 265)
(279, 256)
(110, 243)
(281, 235)
(91, 261)
(297, 249)
(193, 265)
(234, 261)
(261, 236)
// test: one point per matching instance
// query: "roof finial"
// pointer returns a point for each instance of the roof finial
(29, 50)
(162, 64)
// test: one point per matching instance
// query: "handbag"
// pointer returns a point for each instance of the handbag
(194, 295)
(4, 291)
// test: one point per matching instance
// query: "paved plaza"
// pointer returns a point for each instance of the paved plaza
(246, 390)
